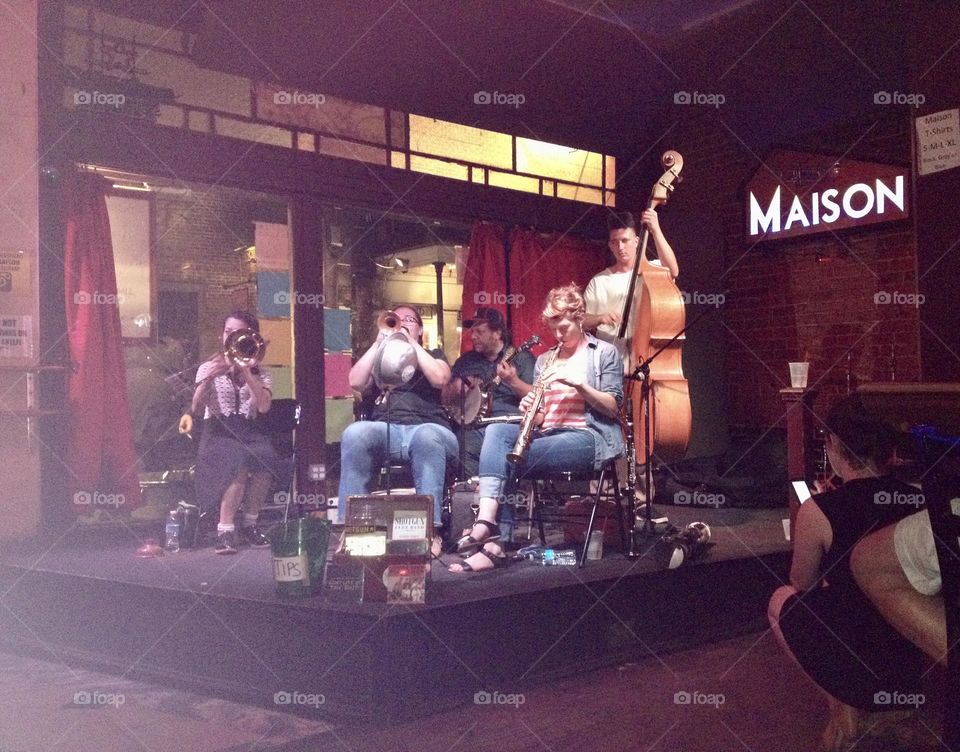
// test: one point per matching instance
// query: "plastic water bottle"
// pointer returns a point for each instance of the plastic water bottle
(173, 532)
(559, 557)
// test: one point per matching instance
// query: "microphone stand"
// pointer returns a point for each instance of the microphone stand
(642, 374)
(462, 428)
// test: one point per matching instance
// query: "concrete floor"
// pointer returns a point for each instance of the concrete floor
(742, 695)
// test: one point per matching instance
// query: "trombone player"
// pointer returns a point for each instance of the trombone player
(236, 460)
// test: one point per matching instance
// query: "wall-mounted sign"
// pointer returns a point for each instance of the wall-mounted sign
(16, 337)
(796, 193)
(938, 141)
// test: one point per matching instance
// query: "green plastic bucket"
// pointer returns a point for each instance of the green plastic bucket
(299, 550)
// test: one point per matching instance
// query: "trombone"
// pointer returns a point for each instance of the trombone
(244, 347)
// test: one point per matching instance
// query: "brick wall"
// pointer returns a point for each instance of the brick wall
(194, 234)
(810, 299)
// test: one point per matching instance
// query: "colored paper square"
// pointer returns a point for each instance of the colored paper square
(282, 382)
(336, 372)
(273, 294)
(272, 242)
(336, 330)
(339, 416)
(279, 336)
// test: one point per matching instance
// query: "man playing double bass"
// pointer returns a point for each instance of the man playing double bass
(606, 292)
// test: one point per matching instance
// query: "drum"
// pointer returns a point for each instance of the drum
(465, 413)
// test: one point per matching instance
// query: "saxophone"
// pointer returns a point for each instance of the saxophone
(526, 425)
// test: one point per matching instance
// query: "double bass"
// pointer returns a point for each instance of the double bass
(660, 315)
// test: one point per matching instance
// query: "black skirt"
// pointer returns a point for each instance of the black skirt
(845, 646)
(228, 445)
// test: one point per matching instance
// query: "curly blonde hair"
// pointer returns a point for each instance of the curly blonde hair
(566, 300)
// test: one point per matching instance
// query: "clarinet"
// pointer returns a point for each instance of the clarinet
(526, 425)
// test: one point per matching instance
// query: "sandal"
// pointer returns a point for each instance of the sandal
(498, 561)
(469, 543)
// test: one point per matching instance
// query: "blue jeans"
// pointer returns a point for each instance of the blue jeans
(569, 450)
(363, 451)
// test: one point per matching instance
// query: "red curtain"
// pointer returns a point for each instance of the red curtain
(540, 262)
(100, 454)
(485, 278)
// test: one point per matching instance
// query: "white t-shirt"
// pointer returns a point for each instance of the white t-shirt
(606, 293)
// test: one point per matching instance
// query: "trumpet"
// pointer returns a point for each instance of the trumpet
(244, 347)
(526, 425)
(389, 321)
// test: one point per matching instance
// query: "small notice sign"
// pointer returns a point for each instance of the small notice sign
(938, 141)
(16, 337)
(409, 524)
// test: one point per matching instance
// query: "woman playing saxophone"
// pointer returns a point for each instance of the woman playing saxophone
(573, 428)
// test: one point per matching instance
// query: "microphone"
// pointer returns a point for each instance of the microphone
(687, 544)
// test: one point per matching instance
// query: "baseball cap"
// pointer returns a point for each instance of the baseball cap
(490, 316)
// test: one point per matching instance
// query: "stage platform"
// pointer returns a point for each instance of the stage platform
(214, 623)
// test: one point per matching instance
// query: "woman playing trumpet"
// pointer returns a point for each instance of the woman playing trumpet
(235, 461)
(576, 428)
(408, 422)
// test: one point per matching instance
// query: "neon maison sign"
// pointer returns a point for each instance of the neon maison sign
(797, 194)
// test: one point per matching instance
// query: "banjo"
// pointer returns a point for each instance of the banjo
(477, 402)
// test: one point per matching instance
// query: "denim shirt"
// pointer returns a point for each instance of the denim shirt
(604, 373)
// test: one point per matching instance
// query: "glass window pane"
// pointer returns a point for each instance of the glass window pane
(333, 147)
(438, 167)
(265, 134)
(579, 193)
(461, 142)
(561, 162)
(320, 112)
(516, 182)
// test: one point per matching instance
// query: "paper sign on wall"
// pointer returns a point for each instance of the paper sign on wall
(938, 141)
(16, 337)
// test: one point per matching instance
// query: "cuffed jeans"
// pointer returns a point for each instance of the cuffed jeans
(363, 451)
(565, 450)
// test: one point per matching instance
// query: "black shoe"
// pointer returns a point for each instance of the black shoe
(226, 543)
(254, 536)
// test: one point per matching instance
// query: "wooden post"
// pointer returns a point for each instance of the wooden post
(798, 410)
